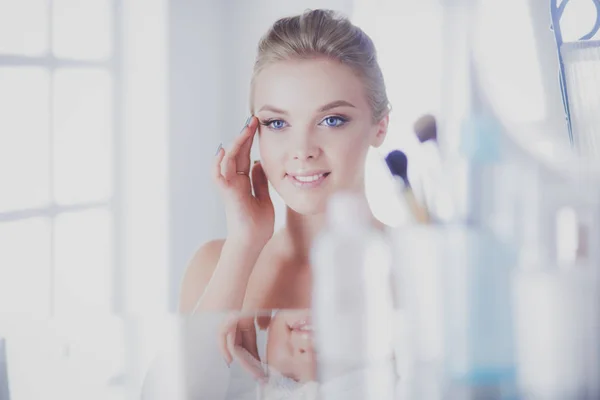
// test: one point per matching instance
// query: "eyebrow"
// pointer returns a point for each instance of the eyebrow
(273, 109)
(336, 104)
(326, 107)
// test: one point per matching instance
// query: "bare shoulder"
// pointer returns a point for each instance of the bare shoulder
(198, 274)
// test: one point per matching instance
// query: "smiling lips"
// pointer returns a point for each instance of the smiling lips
(303, 326)
(308, 180)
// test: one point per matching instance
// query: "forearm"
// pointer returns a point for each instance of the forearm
(227, 287)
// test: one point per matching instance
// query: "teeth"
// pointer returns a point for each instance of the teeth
(306, 328)
(308, 178)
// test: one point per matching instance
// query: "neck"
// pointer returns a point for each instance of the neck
(301, 231)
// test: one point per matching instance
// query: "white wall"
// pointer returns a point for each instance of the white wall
(142, 281)
(196, 78)
(212, 49)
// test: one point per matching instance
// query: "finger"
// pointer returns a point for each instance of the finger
(230, 343)
(247, 335)
(260, 183)
(227, 329)
(224, 348)
(228, 168)
(243, 156)
(250, 344)
(217, 176)
(250, 364)
(244, 325)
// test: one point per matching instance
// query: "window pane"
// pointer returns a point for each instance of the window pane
(24, 27)
(83, 262)
(23, 138)
(25, 266)
(83, 137)
(81, 29)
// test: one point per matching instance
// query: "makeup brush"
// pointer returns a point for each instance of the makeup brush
(397, 162)
(426, 128)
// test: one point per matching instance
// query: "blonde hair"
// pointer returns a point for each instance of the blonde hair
(324, 33)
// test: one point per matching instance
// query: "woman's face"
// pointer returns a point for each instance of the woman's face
(316, 128)
(289, 345)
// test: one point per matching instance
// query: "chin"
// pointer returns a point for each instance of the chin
(306, 204)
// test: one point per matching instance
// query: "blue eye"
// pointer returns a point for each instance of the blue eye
(334, 121)
(276, 124)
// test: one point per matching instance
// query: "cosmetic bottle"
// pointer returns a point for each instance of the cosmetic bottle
(557, 288)
(479, 350)
(352, 303)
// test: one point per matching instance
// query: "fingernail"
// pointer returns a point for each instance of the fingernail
(219, 148)
(246, 124)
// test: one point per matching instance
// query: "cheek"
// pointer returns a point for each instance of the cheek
(270, 155)
(348, 158)
(350, 149)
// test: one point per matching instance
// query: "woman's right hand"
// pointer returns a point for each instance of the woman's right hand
(250, 216)
(237, 341)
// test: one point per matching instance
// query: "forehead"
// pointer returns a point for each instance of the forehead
(304, 85)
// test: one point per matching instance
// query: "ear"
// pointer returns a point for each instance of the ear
(381, 131)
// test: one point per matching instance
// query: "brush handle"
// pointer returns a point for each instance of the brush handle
(420, 213)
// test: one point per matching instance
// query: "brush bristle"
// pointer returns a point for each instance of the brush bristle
(398, 164)
(426, 128)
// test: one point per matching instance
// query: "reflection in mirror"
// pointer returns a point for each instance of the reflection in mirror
(244, 355)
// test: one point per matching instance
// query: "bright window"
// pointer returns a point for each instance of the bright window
(59, 191)
(58, 195)
(24, 138)
(24, 27)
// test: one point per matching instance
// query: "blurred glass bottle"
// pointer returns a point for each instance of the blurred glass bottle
(480, 251)
(352, 304)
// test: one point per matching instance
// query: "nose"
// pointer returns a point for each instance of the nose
(304, 146)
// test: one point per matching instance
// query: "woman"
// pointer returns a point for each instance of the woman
(318, 103)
